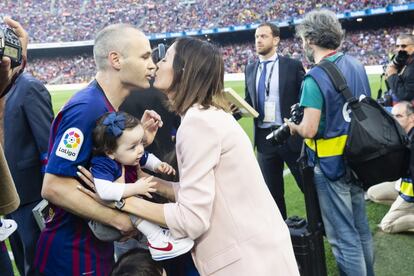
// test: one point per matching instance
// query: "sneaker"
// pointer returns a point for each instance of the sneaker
(164, 246)
(7, 227)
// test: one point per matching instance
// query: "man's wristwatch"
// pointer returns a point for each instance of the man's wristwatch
(120, 204)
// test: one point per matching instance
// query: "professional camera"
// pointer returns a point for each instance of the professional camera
(158, 53)
(281, 134)
(10, 46)
(400, 59)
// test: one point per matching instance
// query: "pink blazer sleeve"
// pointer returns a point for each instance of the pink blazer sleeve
(198, 152)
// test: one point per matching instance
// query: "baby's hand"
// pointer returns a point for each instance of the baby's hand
(144, 186)
(165, 168)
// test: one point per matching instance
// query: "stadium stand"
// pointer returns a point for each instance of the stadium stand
(372, 47)
(78, 20)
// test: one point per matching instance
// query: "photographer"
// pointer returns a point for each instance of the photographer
(326, 126)
(8, 74)
(9, 199)
(400, 72)
(400, 217)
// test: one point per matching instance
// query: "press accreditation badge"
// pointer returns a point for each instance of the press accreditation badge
(70, 144)
(269, 112)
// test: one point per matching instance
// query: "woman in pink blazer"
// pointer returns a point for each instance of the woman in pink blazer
(221, 200)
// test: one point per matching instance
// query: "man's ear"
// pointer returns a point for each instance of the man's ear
(411, 118)
(114, 59)
(276, 41)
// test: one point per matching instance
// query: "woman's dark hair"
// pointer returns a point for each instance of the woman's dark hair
(198, 76)
(104, 140)
(137, 262)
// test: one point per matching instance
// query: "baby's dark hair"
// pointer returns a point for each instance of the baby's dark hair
(137, 262)
(109, 128)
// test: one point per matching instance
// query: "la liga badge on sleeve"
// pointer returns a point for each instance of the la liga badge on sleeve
(70, 144)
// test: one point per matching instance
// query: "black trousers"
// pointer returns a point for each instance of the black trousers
(271, 160)
(23, 241)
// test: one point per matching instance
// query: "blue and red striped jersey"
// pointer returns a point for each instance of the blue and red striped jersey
(67, 246)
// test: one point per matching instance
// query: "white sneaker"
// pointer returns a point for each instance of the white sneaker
(164, 246)
(8, 226)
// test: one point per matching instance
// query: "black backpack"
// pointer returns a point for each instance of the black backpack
(377, 147)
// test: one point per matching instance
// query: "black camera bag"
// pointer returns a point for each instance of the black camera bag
(377, 147)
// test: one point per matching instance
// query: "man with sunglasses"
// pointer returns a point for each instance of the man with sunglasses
(400, 73)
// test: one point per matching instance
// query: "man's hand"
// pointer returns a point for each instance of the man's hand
(151, 121)
(20, 32)
(292, 126)
(6, 73)
(391, 70)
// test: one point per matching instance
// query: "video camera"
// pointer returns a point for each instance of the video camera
(281, 134)
(10, 46)
(158, 53)
(400, 59)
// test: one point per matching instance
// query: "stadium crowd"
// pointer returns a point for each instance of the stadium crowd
(78, 20)
(123, 59)
(371, 47)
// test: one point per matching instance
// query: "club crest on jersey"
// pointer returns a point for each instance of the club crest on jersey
(70, 144)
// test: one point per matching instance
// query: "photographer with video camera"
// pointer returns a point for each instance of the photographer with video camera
(13, 52)
(400, 71)
(325, 126)
(9, 199)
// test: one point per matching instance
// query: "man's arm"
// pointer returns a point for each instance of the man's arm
(38, 110)
(144, 209)
(402, 85)
(62, 192)
(308, 128)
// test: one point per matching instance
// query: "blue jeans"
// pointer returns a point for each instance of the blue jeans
(346, 225)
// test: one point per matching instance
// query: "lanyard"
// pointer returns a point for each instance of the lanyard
(270, 76)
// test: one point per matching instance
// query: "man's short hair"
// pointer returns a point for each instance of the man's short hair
(322, 28)
(409, 108)
(275, 29)
(111, 38)
(406, 36)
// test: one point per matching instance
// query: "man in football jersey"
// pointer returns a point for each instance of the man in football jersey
(67, 246)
